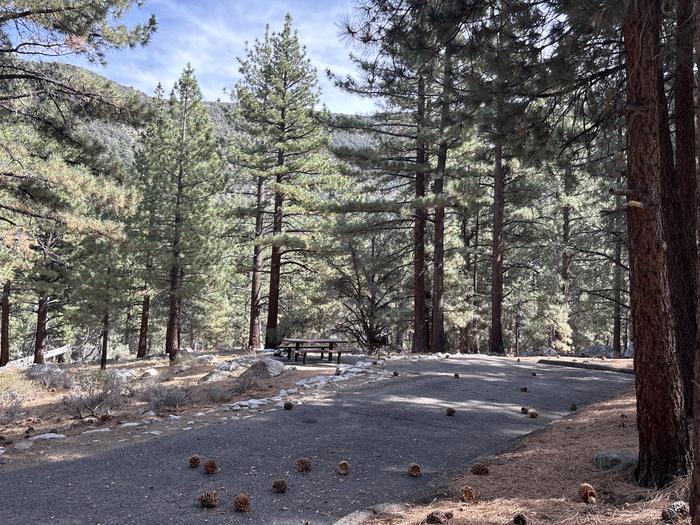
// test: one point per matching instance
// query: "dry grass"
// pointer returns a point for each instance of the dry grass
(541, 476)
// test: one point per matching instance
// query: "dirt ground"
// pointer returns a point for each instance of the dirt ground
(540, 478)
(47, 410)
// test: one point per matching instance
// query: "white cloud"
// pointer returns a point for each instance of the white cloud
(210, 34)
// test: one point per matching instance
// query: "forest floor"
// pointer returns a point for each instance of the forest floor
(378, 421)
(539, 478)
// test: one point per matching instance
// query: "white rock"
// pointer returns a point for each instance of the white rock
(154, 432)
(96, 430)
(199, 414)
(173, 417)
(48, 436)
(283, 393)
(148, 413)
(122, 374)
(292, 391)
(130, 424)
(24, 445)
(228, 366)
(214, 376)
(150, 372)
(2, 451)
(202, 359)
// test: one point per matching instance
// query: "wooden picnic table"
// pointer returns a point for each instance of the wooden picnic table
(301, 347)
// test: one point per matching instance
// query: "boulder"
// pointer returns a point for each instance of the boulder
(214, 376)
(629, 351)
(204, 359)
(612, 460)
(263, 369)
(50, 375)
(597, 351)
(149, 372)
(228, 366)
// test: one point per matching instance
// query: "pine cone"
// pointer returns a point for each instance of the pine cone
(242, 502)
(414, 470)
(456, 375)
(523, 389)
(195, 460)
(288, 405)
(449, 411)
(210, 466)
(533, 413)
(587, 493)
(468, 494)
(479, 469)
(519, 519)
(209, 499)
(303, 464)
(524, 410)
(343, 468)
(573, 407)
(279, 486)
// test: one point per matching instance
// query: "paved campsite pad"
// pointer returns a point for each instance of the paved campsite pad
(380, 428)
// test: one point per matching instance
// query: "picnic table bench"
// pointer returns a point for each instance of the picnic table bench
(301, 347)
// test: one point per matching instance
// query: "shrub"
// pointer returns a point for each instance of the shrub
(161, 397)
(51, 376)
(96, 397)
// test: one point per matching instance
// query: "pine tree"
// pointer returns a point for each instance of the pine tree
(182, 177)
(278, 95)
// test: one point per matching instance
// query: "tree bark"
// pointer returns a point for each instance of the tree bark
(41, 331)
(663, 436)
(105, 340)
(5, 325)
(143, 331)
(419, 343)
(680, 208)
(497, 244)
(273, 299)
(617, 297)
(256, 280)
(438, 342)
(695, 480)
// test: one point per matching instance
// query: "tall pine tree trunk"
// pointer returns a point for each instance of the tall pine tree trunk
(5, 325)
(172, 335)
(663, 436)
(617, 296)
(695, 481)
(273, 299)
(497, 244)
(420, 332)
(143, 331)
(256, 280)
(41, 331)
(438, 342)
(679, 216)
(105, 340)
(566, 258)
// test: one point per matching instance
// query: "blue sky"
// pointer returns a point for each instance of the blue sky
(210, 34)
